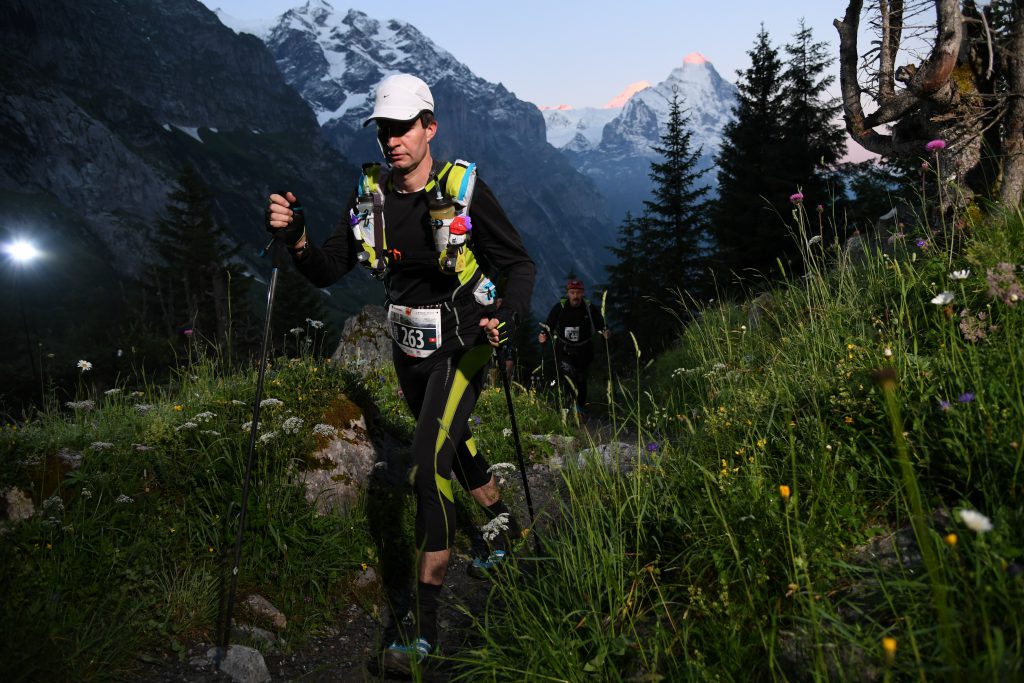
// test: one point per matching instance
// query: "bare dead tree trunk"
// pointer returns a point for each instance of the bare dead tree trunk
(951, 95)
(1011, 190)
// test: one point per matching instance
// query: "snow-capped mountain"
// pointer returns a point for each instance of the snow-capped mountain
(618, 159)
(335, 61)
(581, 129)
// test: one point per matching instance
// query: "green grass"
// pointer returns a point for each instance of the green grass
(773, 443)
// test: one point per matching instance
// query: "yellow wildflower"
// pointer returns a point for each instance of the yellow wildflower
(889, 646)
(784, 492)
(950, 540)
(179, 408)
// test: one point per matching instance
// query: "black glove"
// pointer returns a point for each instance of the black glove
(506, 325)
(294, 231)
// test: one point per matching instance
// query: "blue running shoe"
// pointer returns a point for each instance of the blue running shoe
(480, 569)
(405, 658)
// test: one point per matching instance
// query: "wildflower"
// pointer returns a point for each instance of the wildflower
(895, 236)
(1003, 284)
(142, 448)
(936, 145)
(84, 365)
(236, 402)
(943, 298)
(101, 445)
(975, 521)
(974, 328)
(762, 442)
(315, 324)
(966, 397)
(848, 420)
(292, 425)
(887, 352)
(81, 405)
(188, 331)
(112, 392)
(653, 446)
(925, 166)
(210, 432)
(493, 528)
(86, 493)
(476, 419)
(205, 416)
(268, 437)
(271, 403)
(784, 492)
(124, 499)
(506, 432)
(922, 244)
(960, 274)
(950, 539)
(296, 331)
(889, 647)
(185, 426)
(325, 430)
(796, 197)
(820, 209)
(179, 408)
(54, 504)
(501, 468)
(247, 426)
(814, 240)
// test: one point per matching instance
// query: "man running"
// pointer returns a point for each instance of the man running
(424, 227)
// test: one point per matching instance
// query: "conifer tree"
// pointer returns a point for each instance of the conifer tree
(748, 218)
(677, 214)
(198, 293)
(813, 140)
(633, 283)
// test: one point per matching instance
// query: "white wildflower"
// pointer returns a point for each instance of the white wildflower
(81, 405)
(975, 521)
(86, 493)
(210, 432)
(325, 430)
(315, 324)
(292, 425)
(101, 445)
(142, 448)
(143, 408)
(380, 465)
(493, 528)
(204, 416)
(943, 298)
(271, 403)
(124, 499)
(247, 427)
(112, 392)
(506, 432)
(887, 352)
(960, 274)
(501, 468)
(268, 437)
(84, 365)
(54, 504)
(296, 331)
(236, 402)
(719, 366)
(136, 394)
(814, 240)
(186, 425)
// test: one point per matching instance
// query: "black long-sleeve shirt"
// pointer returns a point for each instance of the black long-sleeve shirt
(416, 279)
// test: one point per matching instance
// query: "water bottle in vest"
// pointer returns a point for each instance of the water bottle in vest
(442, 211)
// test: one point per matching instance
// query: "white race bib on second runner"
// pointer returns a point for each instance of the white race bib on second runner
(416, 330)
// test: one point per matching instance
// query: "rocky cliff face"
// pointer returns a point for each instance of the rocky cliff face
(336, 60)
(105, 101)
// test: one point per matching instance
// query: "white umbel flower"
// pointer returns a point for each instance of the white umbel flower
(943, 298)
(975, 521)
(960, 274)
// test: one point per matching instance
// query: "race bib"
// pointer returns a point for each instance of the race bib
(416, 330)
(572, 334)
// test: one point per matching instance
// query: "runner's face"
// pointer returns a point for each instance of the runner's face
(575, 296)
(405, 143)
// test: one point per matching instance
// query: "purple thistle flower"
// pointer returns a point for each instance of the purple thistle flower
(935, 145)
(966, 397)
(796, 197)
(652, 446)
(945, 405)
(476, 419)
(922, 244)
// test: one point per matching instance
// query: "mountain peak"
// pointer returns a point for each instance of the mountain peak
(619, 100)
(695, 58)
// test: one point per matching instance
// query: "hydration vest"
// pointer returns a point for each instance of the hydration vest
(452, 186)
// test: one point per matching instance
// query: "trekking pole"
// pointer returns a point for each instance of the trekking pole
(519, 449)
(277, 249)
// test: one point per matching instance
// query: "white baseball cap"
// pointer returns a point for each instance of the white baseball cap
(401, 97)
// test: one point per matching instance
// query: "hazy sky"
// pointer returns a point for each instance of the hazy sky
(552, 52)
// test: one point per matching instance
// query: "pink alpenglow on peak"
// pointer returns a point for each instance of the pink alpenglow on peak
(695, 58)
(620, 100)
(561, 107)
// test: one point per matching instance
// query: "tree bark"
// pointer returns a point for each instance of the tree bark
(1011, 189)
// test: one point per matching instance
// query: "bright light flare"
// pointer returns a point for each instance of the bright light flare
(21, 251)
